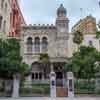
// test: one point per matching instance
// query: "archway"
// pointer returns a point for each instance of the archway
(37, 71)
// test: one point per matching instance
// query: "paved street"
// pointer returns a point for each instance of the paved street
(46, 98)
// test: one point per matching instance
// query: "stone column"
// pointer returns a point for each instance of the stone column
(97, 82)
(16, 82)
(42, 76)
(63, 80)
(52, 68)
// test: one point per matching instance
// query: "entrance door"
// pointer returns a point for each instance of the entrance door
(59, 75)
(59, 78)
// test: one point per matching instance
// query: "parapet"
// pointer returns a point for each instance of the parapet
(40, 26)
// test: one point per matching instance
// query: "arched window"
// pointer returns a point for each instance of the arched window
(2, 4)
(90, 43)
(29, 45)
(37, 45)
(4, 26)
(44, 44)
(1, 21)
(5, 7)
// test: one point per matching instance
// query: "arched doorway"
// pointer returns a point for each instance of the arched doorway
(37, 71)
(58, 68)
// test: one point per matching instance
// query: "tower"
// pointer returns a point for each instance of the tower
(62, 36)
(62, 22)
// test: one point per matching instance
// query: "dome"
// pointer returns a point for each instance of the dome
(61, 10)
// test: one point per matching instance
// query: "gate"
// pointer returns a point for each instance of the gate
(36, 88)
(84, 87)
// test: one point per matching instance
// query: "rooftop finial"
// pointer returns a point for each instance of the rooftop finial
(61, 5)
(61, 10)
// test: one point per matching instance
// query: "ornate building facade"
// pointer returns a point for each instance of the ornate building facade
(10, 18)
(50, 39)
(16, 19)
(5, 9)
(88, 27)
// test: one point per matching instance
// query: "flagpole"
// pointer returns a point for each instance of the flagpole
(81, 11)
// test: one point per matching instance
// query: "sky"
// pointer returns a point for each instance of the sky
(44, 11)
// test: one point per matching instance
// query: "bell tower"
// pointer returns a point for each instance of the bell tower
(62, 22)
(62, 36)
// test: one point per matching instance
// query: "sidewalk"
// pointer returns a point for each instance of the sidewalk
(46, 98)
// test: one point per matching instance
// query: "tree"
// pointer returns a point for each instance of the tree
(11, 65)
(98, 34)
(44, 60)
(78, 38)
(99, 24)
(83, 62)
(98, 31)
(10, 59)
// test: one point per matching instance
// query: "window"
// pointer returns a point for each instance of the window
(90, 43)
(29, 45)
(44, 44)
(5, 7)
(32, 76)
(4, 27)
(0, 22)
(89, 28)
(37, 45)
(2, 3)
(36, 76)
(40, 76)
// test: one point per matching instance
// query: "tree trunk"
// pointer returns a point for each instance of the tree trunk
(16, 84)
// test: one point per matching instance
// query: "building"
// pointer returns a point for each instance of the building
(5, 9)
(16, 19)
(10, 17)
(88, 27)
(46, 39)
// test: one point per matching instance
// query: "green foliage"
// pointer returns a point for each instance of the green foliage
(83, 62)
(44, 58)
(99, 24)
(78, 38)
(10, 59)
(98, 34)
